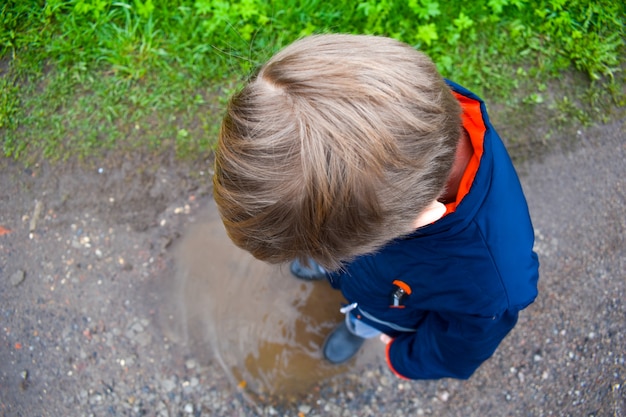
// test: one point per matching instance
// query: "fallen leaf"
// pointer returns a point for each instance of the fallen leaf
(4, 231)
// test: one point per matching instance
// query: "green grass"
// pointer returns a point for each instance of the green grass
(84, 76)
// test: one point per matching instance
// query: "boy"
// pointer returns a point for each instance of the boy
(353, 152)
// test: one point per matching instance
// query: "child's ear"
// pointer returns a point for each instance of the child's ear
(433, 212)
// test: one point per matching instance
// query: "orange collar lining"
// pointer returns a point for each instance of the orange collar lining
(475, 127)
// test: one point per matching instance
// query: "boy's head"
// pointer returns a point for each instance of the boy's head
(334, 148)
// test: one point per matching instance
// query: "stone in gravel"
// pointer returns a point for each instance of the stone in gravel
(25, 381)
(95, 399)
(18, 277)
(137, 327)
(33, 221)
(168, 385)
(162, 410)
(443, 396)
(304, 409)
(143, 339)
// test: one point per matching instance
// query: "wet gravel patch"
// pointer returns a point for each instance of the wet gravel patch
(86, 327)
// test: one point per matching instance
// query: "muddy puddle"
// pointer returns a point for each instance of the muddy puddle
(263, 326)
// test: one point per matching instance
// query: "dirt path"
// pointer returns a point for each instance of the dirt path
(112, 304)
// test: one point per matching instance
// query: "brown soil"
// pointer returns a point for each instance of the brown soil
(120, 295)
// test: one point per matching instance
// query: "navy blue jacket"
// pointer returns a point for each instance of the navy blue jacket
(470, 272)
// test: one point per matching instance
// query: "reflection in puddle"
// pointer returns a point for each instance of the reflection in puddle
(265, 327)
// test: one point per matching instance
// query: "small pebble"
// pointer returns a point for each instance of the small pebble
(168, 385)
(35, 218)
(17, 277)
(24, 383)
(137, 327)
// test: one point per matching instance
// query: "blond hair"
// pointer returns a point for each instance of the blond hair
(334, 148)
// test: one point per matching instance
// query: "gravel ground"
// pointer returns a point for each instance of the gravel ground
(88, 326)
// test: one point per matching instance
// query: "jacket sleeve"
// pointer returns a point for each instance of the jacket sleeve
(448, 345)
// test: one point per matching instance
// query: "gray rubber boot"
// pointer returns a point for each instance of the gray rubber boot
(341, 345)
(312, 272)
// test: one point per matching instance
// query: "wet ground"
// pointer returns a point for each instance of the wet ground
(264, 327)
(121, 296)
